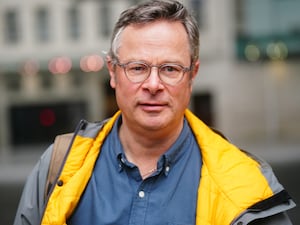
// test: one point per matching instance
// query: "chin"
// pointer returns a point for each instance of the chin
(155, 123)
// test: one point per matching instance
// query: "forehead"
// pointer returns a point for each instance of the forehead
(156, 38)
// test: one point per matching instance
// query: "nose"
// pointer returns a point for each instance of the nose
(153, 83)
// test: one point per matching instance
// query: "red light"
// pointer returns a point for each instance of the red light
(91, 63)
(60, 65)
(47, 117)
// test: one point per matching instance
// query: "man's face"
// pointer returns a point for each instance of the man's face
(152, 104)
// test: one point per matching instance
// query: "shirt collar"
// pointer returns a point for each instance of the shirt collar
(166, 161)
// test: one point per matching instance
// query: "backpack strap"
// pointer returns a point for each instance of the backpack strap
(60, 148)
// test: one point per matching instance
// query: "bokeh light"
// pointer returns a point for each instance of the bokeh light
(60, 65)
(91, 63)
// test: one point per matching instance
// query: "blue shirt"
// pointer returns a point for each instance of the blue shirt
(117, 195)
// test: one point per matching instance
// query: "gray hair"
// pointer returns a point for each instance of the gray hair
(152, 11)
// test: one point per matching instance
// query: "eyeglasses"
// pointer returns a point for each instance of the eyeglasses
(169, 73)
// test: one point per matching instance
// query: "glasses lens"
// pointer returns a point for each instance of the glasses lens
(137, 72)
(171, 73)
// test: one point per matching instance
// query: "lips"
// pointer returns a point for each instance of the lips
(152, 106)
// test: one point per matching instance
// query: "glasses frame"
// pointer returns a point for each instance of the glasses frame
(124, 66)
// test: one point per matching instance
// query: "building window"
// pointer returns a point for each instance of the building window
(134, 2)
(12, 29)
(267, 30)
(104, 20)
(37, 124)
(197, 9)
(42, 25)
(74, 23)
(12, 81)
(46, 79)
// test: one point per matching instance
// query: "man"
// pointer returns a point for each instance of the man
(154, 162)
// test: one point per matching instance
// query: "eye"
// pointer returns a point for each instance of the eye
(170, 69)
(137, 68)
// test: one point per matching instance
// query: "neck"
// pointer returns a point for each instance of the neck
(144, 147)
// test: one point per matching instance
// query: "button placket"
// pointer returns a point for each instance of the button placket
(141, 194)
(139, 206)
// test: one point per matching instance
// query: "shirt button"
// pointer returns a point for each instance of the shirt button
(167, 169)
(141, 194)
(123, 160)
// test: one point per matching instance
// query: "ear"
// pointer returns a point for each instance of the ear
(195, 70)
(194, 73)
(112, 73)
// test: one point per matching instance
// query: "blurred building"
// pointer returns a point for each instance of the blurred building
(52, 72)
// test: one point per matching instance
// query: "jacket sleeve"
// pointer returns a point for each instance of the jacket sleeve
(278, 219)
(276, 215)
(31, 205)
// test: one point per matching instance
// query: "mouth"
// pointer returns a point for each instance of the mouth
(152, 106)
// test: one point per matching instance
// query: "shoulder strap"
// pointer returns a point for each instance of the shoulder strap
(60, 148)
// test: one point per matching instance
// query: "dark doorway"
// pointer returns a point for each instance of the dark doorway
(203, 107)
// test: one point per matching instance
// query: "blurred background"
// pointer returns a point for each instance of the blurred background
(52, 74)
